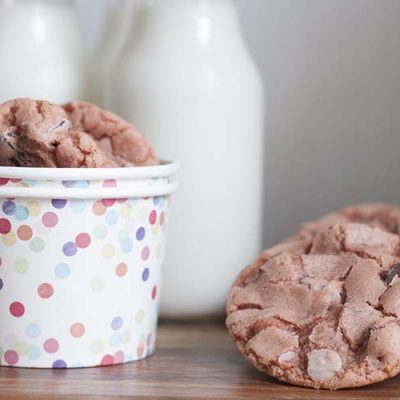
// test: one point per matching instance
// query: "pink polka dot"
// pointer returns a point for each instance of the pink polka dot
(153, 217)
(119, 357)
(154, 293)
(110, 183)
(108, 202)
(162, 218)
(50, 220)
(108, 359)
(77, 330)
(51, 346)
(145, 253)
(5, 226)
(17, 309)
(15, 180)
(11, 357)
(4, 181)
(120, 201)
(149, 339)
(83, 240)
(45, 290)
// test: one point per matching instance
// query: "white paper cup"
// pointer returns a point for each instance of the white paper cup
(80, 263)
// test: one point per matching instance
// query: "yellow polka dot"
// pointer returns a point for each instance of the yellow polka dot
(9, 239)
(22, 348)
(154, 229)
(126, 211)
(34, 208)
(97, 347)
(139, 316)
(108, 251)
(97, 285)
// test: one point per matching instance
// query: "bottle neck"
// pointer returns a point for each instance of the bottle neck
(188, 21)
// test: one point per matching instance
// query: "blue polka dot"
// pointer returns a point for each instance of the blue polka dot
(34, 352)
(9, 207)
(145, 274)
(75, 184)
(21, 213)
(1, 284)
(116, 339)
(158, 200)
(70, 249)
(62, 271)
(77, 206)
(116, 323)
(129, 357)
(112, 217)
(140, 233)
(58, 364)
(30, 182)
(126, 245)
(58, 203)
(149, 351)
(33, 331)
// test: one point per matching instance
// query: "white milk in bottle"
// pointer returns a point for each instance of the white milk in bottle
(188, 82)
(41, 52)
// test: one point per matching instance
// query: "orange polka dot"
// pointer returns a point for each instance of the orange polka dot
(45, 290)
(99, 208)
(77, 330)
(140, 350)
(24, 232)
(121, 269)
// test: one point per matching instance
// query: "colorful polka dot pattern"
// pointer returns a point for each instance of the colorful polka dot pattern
(79, 278)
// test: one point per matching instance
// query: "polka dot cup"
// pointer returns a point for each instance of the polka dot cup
(80, 262)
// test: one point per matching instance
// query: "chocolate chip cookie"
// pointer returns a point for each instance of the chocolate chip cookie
(36, 133)
(323, 309)
(118, 139)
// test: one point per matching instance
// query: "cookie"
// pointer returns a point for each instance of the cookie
(118, 139)
(36, 133)
(321, 310)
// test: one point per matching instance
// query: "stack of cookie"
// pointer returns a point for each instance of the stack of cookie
(322, 309)
(35, 133)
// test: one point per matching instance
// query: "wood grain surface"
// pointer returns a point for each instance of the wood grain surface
(192, 361)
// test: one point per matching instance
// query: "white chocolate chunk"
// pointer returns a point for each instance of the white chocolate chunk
(285, 357)
(323, 364)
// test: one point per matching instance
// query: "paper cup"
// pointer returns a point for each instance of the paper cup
(80, 263)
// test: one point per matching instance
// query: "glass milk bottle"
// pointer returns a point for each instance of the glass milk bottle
(188, 82)
(41, 51)
(117, 25)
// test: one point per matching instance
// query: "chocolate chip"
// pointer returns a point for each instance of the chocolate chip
(394, 271)
(15, 162)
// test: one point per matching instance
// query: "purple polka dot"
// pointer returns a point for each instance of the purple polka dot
(58, 203)
(70, 249)
(59, 364)
(145, 274)
(116, 323)
(140, 233)
(9, 207)
(1, 284)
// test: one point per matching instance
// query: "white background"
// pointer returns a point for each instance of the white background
(331, 70)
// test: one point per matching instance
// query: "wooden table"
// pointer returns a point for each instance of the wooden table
(192, 361)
